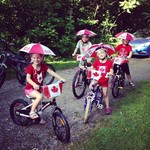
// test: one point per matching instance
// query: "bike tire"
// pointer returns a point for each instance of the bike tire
(61, 127)
(21, 74)
(2, 77)
(78, 93)
(115, 89)
(48, 79)
(87, 109)
(15, 109)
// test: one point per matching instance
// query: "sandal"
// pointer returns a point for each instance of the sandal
(131, 84)
(33, 115)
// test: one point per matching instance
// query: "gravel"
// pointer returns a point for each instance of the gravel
(42, 137)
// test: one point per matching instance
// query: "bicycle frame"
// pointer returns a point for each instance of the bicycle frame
(41, 107)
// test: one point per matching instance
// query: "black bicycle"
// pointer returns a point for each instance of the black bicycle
(119, 78)
(80, 79)
(19, 112)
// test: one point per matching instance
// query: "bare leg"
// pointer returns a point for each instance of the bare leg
(93, 82)
(38, 97)
(105, 94)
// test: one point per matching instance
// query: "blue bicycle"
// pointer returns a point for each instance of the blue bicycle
(94, 96)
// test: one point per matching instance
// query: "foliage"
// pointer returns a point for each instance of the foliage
(54, 23)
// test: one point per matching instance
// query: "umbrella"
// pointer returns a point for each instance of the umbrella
(92, 50)
(125, 35)
(37, 48)
(86, 32)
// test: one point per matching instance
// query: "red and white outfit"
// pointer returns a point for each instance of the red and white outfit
(36, 76)
(123, 50)
(104, 68)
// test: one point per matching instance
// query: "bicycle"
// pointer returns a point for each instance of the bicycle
(94, 96)
(119, 78)
(19, 111)
(16, 62)
(80, 78)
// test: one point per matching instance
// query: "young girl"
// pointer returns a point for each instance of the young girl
(105, 66)
(34, 76)
(125, 50)
(83, 45)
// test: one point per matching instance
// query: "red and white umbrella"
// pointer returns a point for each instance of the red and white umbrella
(92, 50)
(37, 48)
(125, 35)
(86, 32)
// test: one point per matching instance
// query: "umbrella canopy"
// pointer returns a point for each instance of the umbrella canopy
(92, 50)
(37, 48)
(86, 32)
(125, 35)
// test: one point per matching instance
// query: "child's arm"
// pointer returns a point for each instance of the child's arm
(75, 51)
(55, 75)
(130, 55)
(110, 73)
(30, 81)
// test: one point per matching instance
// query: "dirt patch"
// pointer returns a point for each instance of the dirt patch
(41, 137)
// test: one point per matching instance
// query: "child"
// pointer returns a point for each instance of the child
(125, 50)
(34, 76)
(105, 66)
(82, 45)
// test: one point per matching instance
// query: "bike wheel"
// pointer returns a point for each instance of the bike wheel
(115, 89)
(2, 76)
(16, 108)
(61, 127)
(48, 79)
(87, 109)
(20, 73)
(79, 84)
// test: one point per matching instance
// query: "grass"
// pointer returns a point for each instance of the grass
(128, 128)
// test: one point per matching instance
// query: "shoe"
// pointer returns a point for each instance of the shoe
(33, 115)
(131, 83)
(42, 121)
(108, 111)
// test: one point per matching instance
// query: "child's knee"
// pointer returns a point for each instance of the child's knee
(39, 96)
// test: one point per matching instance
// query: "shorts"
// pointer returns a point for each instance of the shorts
(28, 91)
(103, 83)
(125, 68)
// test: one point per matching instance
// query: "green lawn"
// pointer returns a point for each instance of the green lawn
(128, 128)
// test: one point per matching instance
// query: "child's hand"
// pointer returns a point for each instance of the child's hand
(63, 80)
(128, 57)
(73, 54)
(36, 87)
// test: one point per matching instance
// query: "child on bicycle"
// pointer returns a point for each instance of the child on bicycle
(83, 45)
(34, 76)
(103, 65)
(125, 50)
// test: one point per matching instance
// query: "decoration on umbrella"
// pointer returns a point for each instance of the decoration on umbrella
(92, 50)
(37, 48)
(86, 32)
(125, 35)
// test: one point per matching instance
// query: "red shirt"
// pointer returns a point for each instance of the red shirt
(104, 68)
(36, 76)
(123, 50)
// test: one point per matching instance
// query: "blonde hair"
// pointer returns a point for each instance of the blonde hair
(100, 49)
